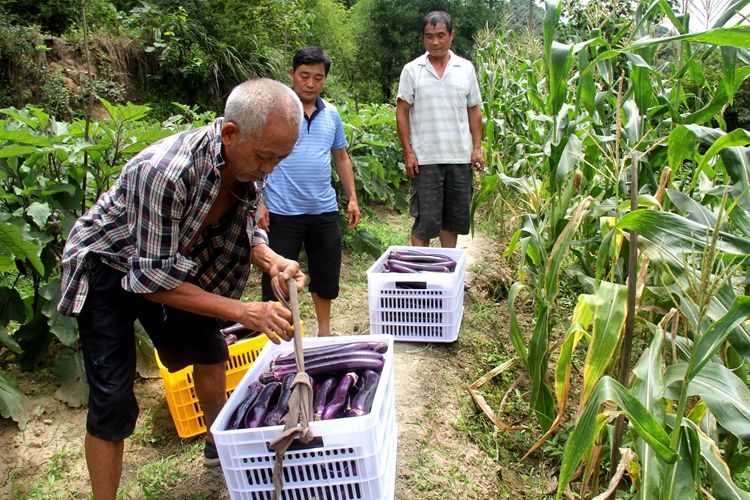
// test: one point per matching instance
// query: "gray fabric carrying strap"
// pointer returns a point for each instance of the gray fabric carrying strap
(300, 403)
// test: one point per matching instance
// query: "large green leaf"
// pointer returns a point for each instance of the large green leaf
(8, 341)
(727, 397)
(13, 404)
(583, 435)
(611, 301)
(12, 307)
(24, 136)
(14, 243)
(70, 372)
(717, 333)
(560, 61)
(552, 11)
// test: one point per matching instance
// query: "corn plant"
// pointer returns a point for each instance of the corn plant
(639, 91)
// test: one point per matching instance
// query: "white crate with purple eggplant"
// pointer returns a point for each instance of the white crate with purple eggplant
(416, 293)
(351, 457)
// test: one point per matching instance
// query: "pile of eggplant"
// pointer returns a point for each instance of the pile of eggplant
(345, 378)
(413, 261)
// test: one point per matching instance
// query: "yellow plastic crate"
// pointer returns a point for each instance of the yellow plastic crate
(183, 403)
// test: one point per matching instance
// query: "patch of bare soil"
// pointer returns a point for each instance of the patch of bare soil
(435, 458)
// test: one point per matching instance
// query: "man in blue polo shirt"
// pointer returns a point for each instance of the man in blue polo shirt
(300, 199)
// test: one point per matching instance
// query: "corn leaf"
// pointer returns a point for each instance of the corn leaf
(609, 320)
(736, 36)
(516, 336)
(681, 479)
(694, 210)
(717, 469)
(583, 315)
(717, 333)
(583, 435)
(726, 396)
(674, 235)
(552, 11)
(648, 387)
(729, 65)
(560, 250)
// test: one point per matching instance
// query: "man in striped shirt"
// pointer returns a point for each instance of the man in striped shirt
(299, 195)
(171, 244)
(439, 123)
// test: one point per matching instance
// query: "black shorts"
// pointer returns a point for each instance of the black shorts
(105, 327)
(441, 199)
(321, 236)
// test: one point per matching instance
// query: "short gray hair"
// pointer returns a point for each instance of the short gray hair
(251, 103)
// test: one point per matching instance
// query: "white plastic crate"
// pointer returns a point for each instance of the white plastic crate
(419, 307)
(348, 459)
(413, 327)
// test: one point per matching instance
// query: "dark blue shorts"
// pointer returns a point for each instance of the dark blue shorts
(105, 327)
(321, 236)
(441, 199)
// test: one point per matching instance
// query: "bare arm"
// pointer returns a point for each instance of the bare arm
(475, 127)
(268, 317)
(346, 176)
(404, 135)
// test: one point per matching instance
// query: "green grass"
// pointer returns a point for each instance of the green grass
(158, 477)
(51, 485)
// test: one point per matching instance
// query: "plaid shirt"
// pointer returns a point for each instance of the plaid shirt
(143, 225)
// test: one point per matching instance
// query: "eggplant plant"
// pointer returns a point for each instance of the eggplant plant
(50, 171)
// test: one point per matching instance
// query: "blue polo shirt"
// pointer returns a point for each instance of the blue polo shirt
(301, 182)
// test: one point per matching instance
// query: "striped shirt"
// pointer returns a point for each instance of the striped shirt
(143, 225)
(438, 119)
(301, 182)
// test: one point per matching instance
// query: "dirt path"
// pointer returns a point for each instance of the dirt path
(434, 461)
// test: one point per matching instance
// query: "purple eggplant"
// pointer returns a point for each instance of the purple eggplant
(273, 417)
(330, 349)
(322, 395)
(337, 405)
(412, 256)
(256, 414)
(395, 267)
(443, 267)
(345, 363)
(327, 358)
(365, 395)
(238, 417)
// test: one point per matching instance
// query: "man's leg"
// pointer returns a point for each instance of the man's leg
(104, 461)
(323, 248)
(458, 191)
(426, 205)
(105, 326)
(448, 239)
(285, 237)
(416, 241)
(323, 313)
(210, 387)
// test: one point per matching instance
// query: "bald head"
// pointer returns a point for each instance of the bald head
(252, 103)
